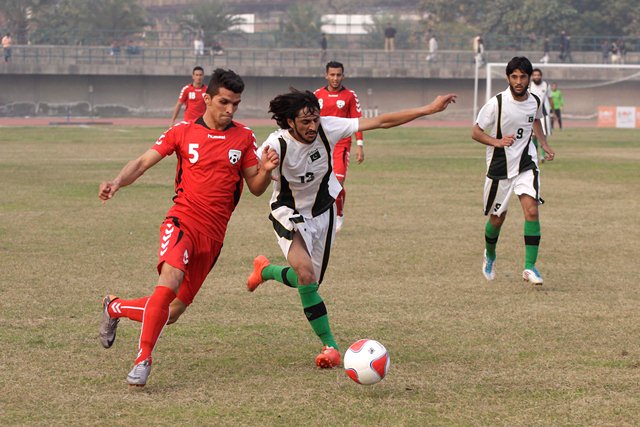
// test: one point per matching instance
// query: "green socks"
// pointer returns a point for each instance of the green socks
(316, 313)
(491, 239)
(285, 275)
(312, 303)
(532, 242)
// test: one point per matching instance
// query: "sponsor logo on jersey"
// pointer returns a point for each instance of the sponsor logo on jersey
(314, 155)
(340, 103)
(234, 156)
(530, 119)
(216, 136)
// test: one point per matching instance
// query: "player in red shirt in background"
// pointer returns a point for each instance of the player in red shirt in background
(192, 96)
(214, 154)
(336, 100)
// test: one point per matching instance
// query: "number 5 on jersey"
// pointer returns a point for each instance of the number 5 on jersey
(193, 152)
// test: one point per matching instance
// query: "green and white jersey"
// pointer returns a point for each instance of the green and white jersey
(501, 116)
(304, 181)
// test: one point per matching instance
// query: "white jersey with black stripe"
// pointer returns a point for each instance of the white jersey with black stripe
(305, 181)
(517, 119)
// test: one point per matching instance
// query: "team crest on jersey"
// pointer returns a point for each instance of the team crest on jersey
(320, 102)
(314, 155)
(234, 156)
(530, 119)
(340, 103)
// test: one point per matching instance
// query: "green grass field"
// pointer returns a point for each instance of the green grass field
(405, 270)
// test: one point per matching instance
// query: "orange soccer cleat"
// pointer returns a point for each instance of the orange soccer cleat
(255, 279)
(328, 358)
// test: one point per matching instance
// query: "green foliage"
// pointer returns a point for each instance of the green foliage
(211, 17)
(409, 33)
(86, 21)
(302, 25)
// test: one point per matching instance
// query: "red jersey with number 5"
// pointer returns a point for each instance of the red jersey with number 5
(343, 103)
(209, 174)
(193, 99)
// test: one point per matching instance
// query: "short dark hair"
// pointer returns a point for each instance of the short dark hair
(197, 68)
(520, 63)
(288, 105)
(536, 69)
(224, 78)
(334, 64)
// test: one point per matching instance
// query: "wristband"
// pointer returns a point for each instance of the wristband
(360, 143)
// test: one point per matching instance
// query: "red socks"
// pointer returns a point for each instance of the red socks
(156, 315)
(132, 309)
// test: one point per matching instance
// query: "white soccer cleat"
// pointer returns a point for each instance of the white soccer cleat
(533, 276)
(339, 222)
(139, 374)
(488, 267)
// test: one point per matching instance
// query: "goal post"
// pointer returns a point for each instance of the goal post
(590, 85)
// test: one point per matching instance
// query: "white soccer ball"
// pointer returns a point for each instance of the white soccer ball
(366, 362)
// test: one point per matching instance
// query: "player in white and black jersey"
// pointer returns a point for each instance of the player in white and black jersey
(506, 124)
(304, 193)
(542, 90)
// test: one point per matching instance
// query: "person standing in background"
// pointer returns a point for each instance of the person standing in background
(6, 47)
(192, 96)
(338, 101)
(557, 100)
(390, 38)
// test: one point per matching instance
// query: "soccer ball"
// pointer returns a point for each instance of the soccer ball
(366, 362)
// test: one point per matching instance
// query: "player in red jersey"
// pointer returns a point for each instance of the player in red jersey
(214, 154)
(336, 100)
(192, 97)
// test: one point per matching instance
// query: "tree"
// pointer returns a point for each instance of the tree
(18, 15)
(302, 26)
(211, 17)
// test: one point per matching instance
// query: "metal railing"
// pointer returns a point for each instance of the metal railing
(274, 58)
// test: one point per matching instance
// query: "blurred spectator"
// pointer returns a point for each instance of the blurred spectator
(545, 48)
(565, 47)
(623, 50)
(131, 48)
(433, 49)
(198, 46)
(478, 49)
(115, 48)
(605, 48)
(615, 53)
(389, 38)
(6, 47)
(216, 48)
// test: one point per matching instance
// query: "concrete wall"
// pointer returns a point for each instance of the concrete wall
(155, 96)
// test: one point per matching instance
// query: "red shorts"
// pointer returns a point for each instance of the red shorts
(193, 253)
(341, 158)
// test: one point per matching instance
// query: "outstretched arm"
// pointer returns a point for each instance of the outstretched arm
(389, 120)
(129, 173)
(258, 177)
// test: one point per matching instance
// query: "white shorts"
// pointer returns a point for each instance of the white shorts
(497, 192)
(318, 234)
